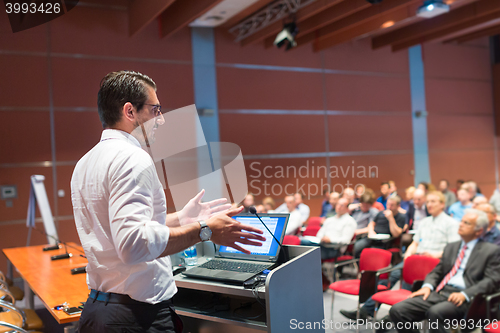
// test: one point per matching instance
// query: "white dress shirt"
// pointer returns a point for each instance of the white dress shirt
(435, 232)
(338, 229)
(120, 211)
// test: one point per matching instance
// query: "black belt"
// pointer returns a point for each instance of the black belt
(118, 298)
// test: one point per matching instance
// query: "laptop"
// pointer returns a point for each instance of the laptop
(231, 265)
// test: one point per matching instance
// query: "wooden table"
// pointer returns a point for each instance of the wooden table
(51, 280)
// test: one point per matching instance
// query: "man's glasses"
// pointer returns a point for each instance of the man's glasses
(156, 109)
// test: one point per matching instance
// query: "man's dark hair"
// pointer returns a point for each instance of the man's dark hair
(385, 183)
(118, 88)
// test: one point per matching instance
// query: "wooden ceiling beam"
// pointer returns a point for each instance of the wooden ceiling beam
(428, 26)
(302, 15)
(390, 10)
(446, 31)
(489, 31)
(346, 35)
(141, 14)
(337, 12)
(181, 13)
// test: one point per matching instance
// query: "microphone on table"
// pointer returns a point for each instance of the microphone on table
(57, 247)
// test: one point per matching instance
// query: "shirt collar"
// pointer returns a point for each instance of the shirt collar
(437, 217)
(470, 244)
(120, 135)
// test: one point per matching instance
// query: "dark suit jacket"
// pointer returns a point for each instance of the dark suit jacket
(482, 273)
(411, 212)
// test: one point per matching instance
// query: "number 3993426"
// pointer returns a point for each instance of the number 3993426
(32, 8)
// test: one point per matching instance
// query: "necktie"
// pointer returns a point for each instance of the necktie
(453, 270)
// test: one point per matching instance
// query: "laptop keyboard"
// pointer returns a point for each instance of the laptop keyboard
(236, 266)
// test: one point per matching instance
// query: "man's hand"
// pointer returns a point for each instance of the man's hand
(371, 233)
(325, 240)
(227, 231)
(425, 291)
(457, 299)
(388, 213)
(195, 210)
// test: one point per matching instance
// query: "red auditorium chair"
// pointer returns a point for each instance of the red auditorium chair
(416, 267)
(291, 240)
(370, 261)
(311, 230)
(493, 327)
(315, 220)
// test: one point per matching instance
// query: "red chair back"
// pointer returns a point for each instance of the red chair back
(291, 240)
(315, 220)
(372, 259)
(417, 267)
(311, 230)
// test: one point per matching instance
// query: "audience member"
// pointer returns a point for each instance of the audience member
(389, 221)
(359, 191)
(338, 229)
(295, 220)
(393, 190)
(376, 204)
(384, 194)
(261, 209)
(417, 210)
(349, 195)
(471, 186)
(269, 204)
(447, 291)
(457, 210)
(334, 197)
(364, 213)
(301, 207)
(492, 234)
(405, 204)
(247, 202)
(325, 205)
(495, 199)
(432, 236)
(449, 195)
(424, 187)
(478, 200)
(458, 185)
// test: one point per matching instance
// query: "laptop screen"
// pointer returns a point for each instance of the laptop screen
(269, 249)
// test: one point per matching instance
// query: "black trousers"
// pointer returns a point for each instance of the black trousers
(435, 308)
(134, 316)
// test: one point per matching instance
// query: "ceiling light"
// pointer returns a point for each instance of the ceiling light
(432, 8)
(287, 36)
(387, 24)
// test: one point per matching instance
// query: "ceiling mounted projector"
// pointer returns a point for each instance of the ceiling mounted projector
(432, 8)
(287, 36)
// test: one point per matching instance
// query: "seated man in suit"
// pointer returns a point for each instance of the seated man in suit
(389, 221)
(467, 267)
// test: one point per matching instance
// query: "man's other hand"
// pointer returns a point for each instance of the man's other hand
(425, 291)
(227, 231)
(195, 210)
